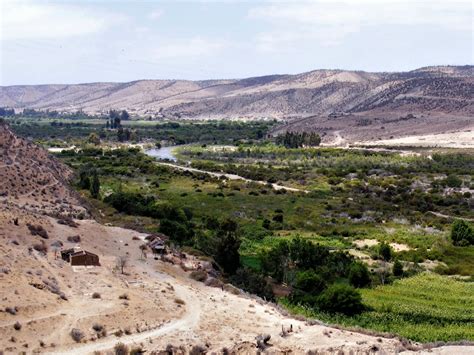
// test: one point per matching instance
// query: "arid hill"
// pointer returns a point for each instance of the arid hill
(32, 179)
(435, 90)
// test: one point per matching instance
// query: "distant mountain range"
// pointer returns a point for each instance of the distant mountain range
(446, 90)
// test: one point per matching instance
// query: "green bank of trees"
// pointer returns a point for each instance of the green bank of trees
(319, 278)
(298, 140)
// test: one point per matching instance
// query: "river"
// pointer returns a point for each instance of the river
(163, 153)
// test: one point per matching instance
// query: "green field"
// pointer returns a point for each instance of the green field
(424, 308)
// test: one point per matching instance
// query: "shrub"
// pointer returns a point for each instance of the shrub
(359, 275)
(17, 326)
(310, 282)
(38, 230)
(462, 233)
(253, 282)
(124, 296)
(197, 350)
(97, 327)
(121, 349)
(137, 350)
(397, 268)
(77, 334)
(74, 239)
(278, 218)
(198, 275)
(41, 247)
(453, 181)
(385, 251)
(96, 295)
(340, 298)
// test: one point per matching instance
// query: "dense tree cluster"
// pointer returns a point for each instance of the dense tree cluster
(298, 140)
(5, 111)
(32, 113)
(314, 272)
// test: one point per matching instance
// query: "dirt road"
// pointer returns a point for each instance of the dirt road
(231, 177)
(184, 324)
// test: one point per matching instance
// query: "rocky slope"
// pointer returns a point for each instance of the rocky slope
(447, 90)
(32, 179)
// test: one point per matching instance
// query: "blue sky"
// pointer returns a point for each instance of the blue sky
(89, 41)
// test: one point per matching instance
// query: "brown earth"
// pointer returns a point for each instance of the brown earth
(438, 90)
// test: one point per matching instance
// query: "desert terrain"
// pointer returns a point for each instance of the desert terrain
(433, 90)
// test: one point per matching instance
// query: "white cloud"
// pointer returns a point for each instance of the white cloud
(29, 20)
(329, 22)
(155, 14)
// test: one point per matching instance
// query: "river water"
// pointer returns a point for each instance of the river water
(163, 153)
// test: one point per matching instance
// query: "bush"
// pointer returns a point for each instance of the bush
(397, 269)
(385, 251)
(198, 275)
(17, 326)
(41, 247)
(96, 295)
(253, 282)
(137, 350)
(38, 230)
(124, 296)
(340, 298)
(453, 181)
(74, 239)
(121, 349)
(359, 275)
(98, 327)
(310, 282)
(77, 334)
(462, 233)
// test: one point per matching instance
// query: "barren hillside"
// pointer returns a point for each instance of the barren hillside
(435, 90)
(32, 179)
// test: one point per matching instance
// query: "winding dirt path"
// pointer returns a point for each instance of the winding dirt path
(441, 215)
(186, 323)
(230, 177)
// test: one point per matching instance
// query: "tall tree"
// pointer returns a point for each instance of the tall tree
(95, 186)
(227, 251)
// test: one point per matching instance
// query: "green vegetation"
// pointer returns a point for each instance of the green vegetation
(118, 128)
(348, 248)
(424, 308)
(462, 233)
(298, 140)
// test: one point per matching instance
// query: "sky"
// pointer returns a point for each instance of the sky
(79, 41)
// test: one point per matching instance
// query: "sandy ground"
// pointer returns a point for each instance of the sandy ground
(464, 139)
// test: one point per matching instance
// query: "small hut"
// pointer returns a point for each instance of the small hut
(84, 258)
